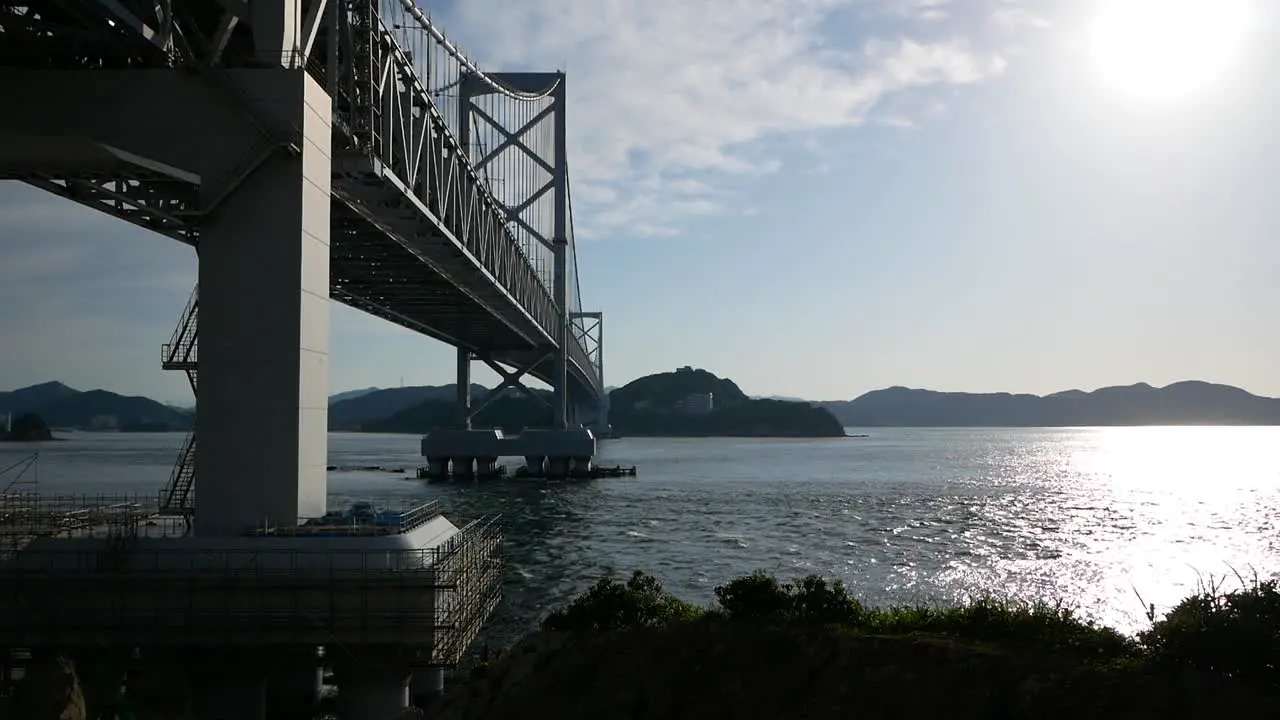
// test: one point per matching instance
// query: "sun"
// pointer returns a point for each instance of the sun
(1163, 49)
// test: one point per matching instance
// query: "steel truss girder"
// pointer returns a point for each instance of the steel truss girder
(75, 33)
(413, 148)
(163, 206)
(402, 218)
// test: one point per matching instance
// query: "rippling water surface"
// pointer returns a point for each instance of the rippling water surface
(1085, 515)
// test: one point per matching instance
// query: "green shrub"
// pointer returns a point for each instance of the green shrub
(1233, 633)
(1039, 626)
(760, 597)
(812, 599)
(611, 605)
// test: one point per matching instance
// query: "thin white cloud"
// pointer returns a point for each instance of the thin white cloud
(1013, 18)
(667, 91)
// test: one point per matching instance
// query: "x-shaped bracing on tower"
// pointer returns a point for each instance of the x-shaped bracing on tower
(515, 138)
(510, 379)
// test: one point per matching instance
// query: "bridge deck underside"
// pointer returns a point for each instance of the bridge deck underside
(373, 272)
(369, 270)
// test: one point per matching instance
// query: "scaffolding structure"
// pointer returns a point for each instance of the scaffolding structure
(110, 579)
(24, 517)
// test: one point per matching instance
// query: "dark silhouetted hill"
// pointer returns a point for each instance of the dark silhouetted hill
(1183, 403)
(657, 405)
(357, 412)
(96, 408)
(349, 394)
(667, 389)
(64, 407)
(512, 412)
(29, 399)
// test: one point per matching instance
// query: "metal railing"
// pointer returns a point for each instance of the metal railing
(381, 521)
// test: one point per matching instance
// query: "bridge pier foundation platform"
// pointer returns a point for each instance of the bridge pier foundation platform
(553, 453)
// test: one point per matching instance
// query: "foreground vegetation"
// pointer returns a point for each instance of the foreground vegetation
(1233, 633)
(768, 648)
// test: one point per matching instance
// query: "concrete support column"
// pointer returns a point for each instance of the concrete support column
(463, 467)
(536, 464)
(264, 326)
(557, 467)
(464, 389)
(438, 467)
(426, 686)
(372, 691)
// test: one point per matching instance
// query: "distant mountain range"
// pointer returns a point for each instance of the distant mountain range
(1184, 403)
(65, 407)
(349, 411)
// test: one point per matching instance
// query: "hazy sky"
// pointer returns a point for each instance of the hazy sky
(820, 197)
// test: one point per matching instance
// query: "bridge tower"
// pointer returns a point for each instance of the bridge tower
(536, 172)
(520, 149)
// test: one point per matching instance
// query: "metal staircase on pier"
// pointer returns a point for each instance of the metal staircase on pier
(180, 354)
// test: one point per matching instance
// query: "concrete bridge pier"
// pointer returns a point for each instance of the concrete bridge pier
(426, 686)
(263, 191)
(536, 464)
(372, 690)
(264, 324)
(438, 467)
(463, 467)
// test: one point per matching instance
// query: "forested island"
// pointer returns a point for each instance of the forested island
(26, 428)
(696, 403)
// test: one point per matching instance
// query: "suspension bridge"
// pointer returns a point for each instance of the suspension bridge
(312, 150)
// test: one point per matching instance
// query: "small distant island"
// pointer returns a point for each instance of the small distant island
(26, 428)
